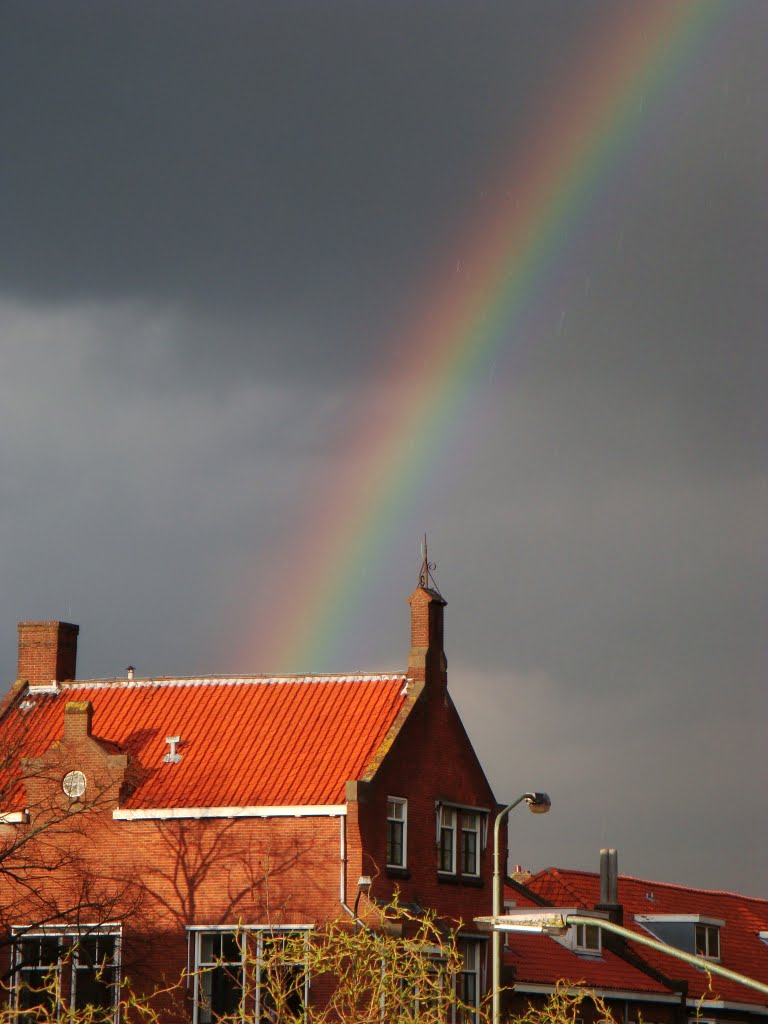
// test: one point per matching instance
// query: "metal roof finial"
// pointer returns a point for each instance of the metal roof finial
(426, 579)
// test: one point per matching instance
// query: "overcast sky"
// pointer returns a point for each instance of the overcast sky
(216, 220)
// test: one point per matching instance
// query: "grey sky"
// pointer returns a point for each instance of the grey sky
(216, 220)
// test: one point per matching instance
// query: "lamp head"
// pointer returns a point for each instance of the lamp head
(364, 882)
(538, 803)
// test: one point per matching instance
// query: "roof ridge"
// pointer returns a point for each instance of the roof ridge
(266, 680)
(563, 872)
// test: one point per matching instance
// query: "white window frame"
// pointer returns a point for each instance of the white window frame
(402, 803)
(451, 827)
(709, 929)
(580, 942)
(68, 937)
(195, 935)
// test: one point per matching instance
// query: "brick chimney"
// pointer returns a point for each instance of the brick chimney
(426, 658)
(47, 652)
(78, 716)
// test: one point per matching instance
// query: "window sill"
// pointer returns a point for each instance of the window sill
(451, 878)
(393, 872)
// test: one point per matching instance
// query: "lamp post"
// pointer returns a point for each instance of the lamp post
(553, 921)
(538, 803)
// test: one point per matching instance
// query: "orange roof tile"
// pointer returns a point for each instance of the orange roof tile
(253, 741)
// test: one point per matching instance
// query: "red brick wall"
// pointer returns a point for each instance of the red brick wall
(430, 760)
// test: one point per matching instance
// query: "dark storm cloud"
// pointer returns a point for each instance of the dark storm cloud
(271, 157)
(216, 219)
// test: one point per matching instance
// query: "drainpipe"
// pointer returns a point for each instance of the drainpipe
(343, 866)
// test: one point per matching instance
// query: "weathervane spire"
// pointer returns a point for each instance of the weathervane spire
(426, 579)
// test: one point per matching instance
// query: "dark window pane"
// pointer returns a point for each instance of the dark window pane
(95, 973)
(446, 850)
(395, 843)
(469, 853)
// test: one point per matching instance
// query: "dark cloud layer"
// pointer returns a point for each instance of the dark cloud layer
(216, 221)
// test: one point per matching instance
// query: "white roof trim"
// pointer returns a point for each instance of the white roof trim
(266, 811)
(634, 995)
(646, 919)
(14, 817)
(725, 1004)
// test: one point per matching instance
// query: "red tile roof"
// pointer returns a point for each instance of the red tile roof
(741, 948)
(251, 741)
(542, 960)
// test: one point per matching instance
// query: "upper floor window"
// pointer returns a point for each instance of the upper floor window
(397, 825)
(587, 938)
(446, 847)
(470, 843)
(56, 968)
(708, 941)
(461, 838)
(258, 974)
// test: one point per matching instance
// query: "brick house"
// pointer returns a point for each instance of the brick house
(638, 983)
(158, 816)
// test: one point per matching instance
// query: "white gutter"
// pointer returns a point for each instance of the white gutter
(604, 993)
(264, 811)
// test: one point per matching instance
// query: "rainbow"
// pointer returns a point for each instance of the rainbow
(553, 183)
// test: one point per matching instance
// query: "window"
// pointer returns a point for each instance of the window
(219, 975)
(57, 967)
(258, 973)
(468, 983)
(37, 974)
(588, 938)
(460, 839)
(693, 933)
(708, 941)
(446, 850)
(397, 821)
(470, 844)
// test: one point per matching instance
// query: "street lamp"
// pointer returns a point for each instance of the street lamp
(554, 921)
(538, 803)
(364, 883)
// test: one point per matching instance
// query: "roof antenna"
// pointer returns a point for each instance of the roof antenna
(426, 579)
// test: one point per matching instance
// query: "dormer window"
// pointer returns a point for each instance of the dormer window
(587, 938)
(708, 941)
(584, 939)
(693, 933)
